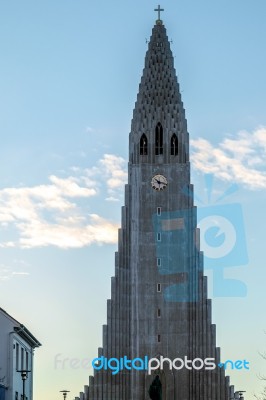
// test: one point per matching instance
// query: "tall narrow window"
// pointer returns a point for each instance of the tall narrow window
(22, 358)
(158, 312)
(159, 338)
(159, 210)
(158, 262)
(27, 360)
(143, 145)
(158, 287)
(158, 139)
(174, 145)
(158, 236)
(17, 356)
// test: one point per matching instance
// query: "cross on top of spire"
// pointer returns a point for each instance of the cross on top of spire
(159, 9)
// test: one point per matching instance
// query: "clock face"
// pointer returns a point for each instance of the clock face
(159, 182)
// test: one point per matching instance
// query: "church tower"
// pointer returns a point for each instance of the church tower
(159, 306)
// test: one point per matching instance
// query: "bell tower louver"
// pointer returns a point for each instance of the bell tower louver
(159, 306)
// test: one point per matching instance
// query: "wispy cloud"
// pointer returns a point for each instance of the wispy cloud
(4, 273)
(240, 159)
(7, 273)
(114, 169)
(53, 213)
(7, 244)
(111, 172)
(68, 232)
(111, 199)
(20, 273)
(26, 203)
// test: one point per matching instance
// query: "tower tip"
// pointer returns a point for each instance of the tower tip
(159, 9)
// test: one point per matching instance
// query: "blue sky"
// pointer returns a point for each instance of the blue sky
(69, 77)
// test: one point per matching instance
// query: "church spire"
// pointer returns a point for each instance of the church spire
(158, 308)
(159, 101)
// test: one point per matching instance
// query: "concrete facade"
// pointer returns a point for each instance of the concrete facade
(159, 305)
(17, 346)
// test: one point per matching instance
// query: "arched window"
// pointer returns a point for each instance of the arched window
(143, 145)
(158, 139)
(174, 145)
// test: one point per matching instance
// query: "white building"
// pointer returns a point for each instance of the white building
(17, 346)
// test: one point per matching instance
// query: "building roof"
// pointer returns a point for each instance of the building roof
(22, 331)
(26, 335)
